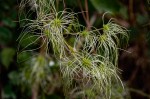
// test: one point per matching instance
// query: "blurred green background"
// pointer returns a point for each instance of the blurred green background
(132, 14)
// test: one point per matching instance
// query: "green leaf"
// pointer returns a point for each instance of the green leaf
(54, 96)
(124, 12)
(28, 40)
(142, 19)
(106, 5)
(8, 93)
(5, 35)
(7, 55)
(72, 3)
(24, 56)
(14, 77)
(9, 22)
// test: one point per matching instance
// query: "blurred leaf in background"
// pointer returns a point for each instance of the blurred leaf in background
(8, 93)
(7, 55)
(106, 5)
(5, 35)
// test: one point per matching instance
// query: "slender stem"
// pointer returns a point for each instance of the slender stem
(35, 90)
(57, 3)
(35, 87)
(139, 92)
(131, 14)
(87, 15)
(43, 48)
(64, 3)
(84, 17)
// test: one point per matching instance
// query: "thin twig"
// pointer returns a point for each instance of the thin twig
(57, 3)
(139, 92)
(35, 90)
(87, 14)
(131, 15)
(64, 3)
(83, 14)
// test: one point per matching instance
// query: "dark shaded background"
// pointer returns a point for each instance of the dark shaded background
(132, 14)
